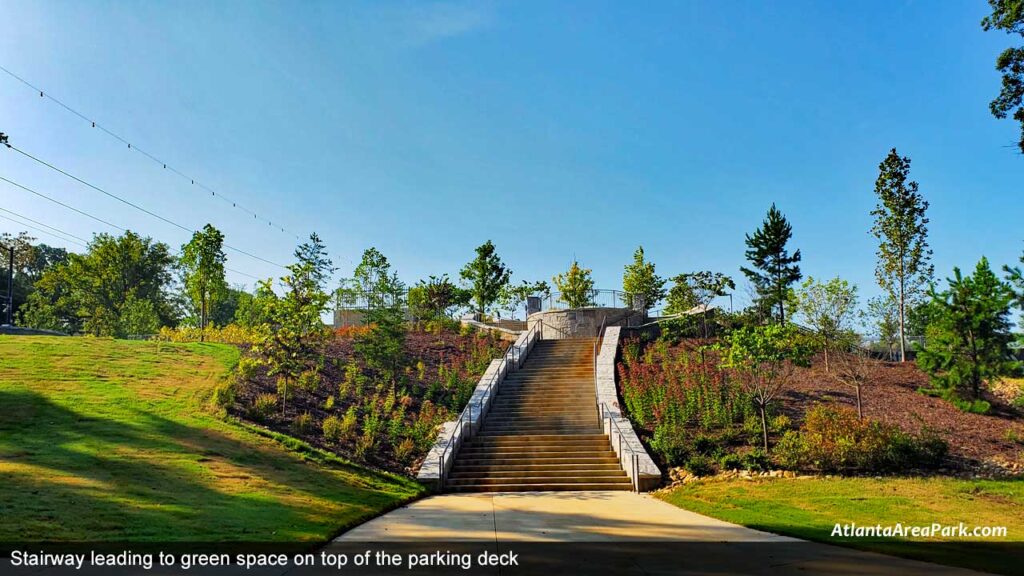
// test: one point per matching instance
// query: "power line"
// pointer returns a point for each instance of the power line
(83, 213)
(234, 204)
(128, 202)
(80, 240)
(40, 229)
(58, 202)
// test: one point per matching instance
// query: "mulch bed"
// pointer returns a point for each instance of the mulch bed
(892, 396)
(432, 349)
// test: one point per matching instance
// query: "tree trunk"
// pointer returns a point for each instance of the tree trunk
(764, 425)
(826, 355)
(903, 317)
(860, 411)
(202, 320)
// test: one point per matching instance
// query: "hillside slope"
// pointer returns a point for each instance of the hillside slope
(110, 440)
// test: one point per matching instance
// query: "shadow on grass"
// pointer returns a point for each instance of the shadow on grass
(65, 476)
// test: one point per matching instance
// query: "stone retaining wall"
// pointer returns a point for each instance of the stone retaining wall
(626, 443)
(582, 322)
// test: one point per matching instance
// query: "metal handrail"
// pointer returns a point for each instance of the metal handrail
(512, 354)
(599, 338)
(634, 457)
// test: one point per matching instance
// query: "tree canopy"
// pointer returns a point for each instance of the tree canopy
(202, 267)
(575, 286)
(829, 308)
(904, 267)
(120, 286)
(1008, 16)
(641, 282)
(486, 276)
(774, 270)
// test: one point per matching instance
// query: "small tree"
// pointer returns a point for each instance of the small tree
(853, 368)
(641, 280)
(698, 289)
(575, 287)
(256, 309)
(512, 297)
(880, 316)
(1008, 16)
(486, 275)
(436, 298)
(903, 269)
(295, 338)
(774, 269)
(373, 284)
(968, 338)
(828, 308)
(383, 346)
(202, 266)
(762, 358)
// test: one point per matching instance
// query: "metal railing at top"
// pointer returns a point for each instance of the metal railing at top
(598, 298)
(511, 361)
(634, 458)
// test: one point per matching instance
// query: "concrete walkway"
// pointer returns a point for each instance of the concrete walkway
(625, 518)
(549, 517)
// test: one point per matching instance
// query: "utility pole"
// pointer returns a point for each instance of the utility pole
(10, 285)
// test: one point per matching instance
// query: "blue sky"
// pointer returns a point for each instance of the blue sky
(557, 130)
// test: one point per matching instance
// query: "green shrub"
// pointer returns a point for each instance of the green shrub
(836, 440)
(354, 381)
(699, 465)
(247, 368)
(757, 460)
(404, 449)
(348, 423)
(224, 394)
(329, 403)
(669, 442)
(332, 429)
(303, 423)
(364, 445)
(706, 445)
(971, 406)
(396, 425)
(731, 462)
(309, 380)
(263, 406)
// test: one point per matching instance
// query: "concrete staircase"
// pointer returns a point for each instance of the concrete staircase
(542, 432)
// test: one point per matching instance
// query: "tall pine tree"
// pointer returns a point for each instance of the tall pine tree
(774, 269)
(904, 267)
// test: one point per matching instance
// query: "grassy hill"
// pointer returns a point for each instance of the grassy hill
(110, 440)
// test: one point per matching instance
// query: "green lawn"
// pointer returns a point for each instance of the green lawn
(111, 440)
(810, 508)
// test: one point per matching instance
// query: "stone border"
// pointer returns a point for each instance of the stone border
(608, 401)
(475, 412)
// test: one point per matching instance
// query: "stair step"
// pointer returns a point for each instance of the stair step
(540, 438)
(541, 487)
(536, 469)
(533, 460)
(620, 478)
(471, 451)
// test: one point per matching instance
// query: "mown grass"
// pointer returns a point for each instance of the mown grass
(810, 508)
(113, 440)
